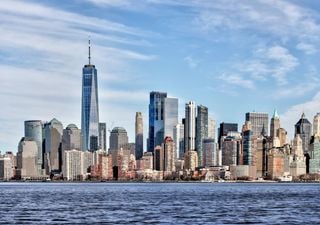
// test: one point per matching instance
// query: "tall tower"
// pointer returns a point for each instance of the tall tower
(139, 135)
(33, 130)
(156, 119)
(201, 130)
(303, 127)
(259, 122)
(90, 107)
(190, 127)
(316, 125)
(170, 116)
(103, 136)
(275, 124)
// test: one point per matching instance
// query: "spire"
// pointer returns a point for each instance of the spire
(275, 114)
(89, 51)
(303, 116)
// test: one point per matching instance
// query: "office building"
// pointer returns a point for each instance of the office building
(303, 128)
(211, 128)
(224, 129)
(169, 154)
(27, 159)
(259, 123)
(103, 136)
(178, 137)
(316, 125)
(156, 119)
(210, 153)
(190, 127)
(274, 125)
(118, 138)
(139, 135)
(170, 116)
(71, 138)
(201, 131)
(89, 107)
(33, 130)
(72, 168)
(314, 162)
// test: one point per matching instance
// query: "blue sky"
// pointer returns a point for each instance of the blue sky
(232, 56)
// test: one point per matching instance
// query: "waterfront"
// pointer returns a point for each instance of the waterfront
(179, 203)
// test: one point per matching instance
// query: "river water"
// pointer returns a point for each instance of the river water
(159, 203)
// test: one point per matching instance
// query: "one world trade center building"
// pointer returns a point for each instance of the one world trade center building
(89, 107)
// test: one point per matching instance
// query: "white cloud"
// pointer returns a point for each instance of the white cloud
(307, 48)
(192, 63)
(237, 80)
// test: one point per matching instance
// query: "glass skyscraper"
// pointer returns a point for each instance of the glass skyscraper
(201, 130)
(170, 116)
(156, 119)
(90, 107)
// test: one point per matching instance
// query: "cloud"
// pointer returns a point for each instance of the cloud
(237, 80)
(307, 48)
(192, 63)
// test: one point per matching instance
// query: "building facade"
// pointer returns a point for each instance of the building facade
(303, 128)
(201, 131)
(259, 123)
(139, 135)
(103, 136)
(190, 127)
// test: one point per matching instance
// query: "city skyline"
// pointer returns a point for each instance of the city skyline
(135, 58)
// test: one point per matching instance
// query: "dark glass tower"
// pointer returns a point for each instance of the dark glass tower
(303, 128)
(156, 119)
(201, 131)
(90, 107)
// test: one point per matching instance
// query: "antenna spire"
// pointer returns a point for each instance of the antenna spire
(89, 51)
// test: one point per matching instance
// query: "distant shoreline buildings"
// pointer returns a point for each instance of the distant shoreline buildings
(177, 148)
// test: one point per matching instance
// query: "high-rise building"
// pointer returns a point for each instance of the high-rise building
(316, 125)
(211, 128)
(201, 131)
(90, 107)
(118, 138)
(71, 138)
(53, 131)
(6, 168)
(158, 158)
(274, 125)
(259, 123)
(210, 153)
(139, 135)
(170, 116)
(178, 137)
(169, 154)
(33, 130)
(156, 119)
(190, 127)
(303, 127)
(247, 144)
(27, 159)
(315, 156)
(225, 128)
(103, 136)
(231, 148)
(73, 166)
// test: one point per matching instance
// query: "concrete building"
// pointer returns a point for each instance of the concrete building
(303, 128)
(6, 168)
(178, 137)
(73, 165)
(316, 125)
(90, 107)
(201, 131)
(191, 160)
(169, 155)
(71, 138)
(210, 153)
(282, 135)
(139, 135)
(33, 129)
(298, 162)
(103, 136)
(276, 161)
(146, 162)
(259, 123)
(53, 146)
(231, 151)
(190, 127)
(27, 159)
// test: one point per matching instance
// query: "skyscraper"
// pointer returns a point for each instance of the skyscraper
(53, 131)
(33, 130)
(190, 127)
(247, 139)
(156, 119)
(178, 137)
(118, 138)
(201, 131)
(259, 123)
(170, 116)
(90, 107)
(303, 127)
(139, 135)
(275, 124)
(225, 128)
(103, 136)
(71, 138)
(316, 125)
(211, 128)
